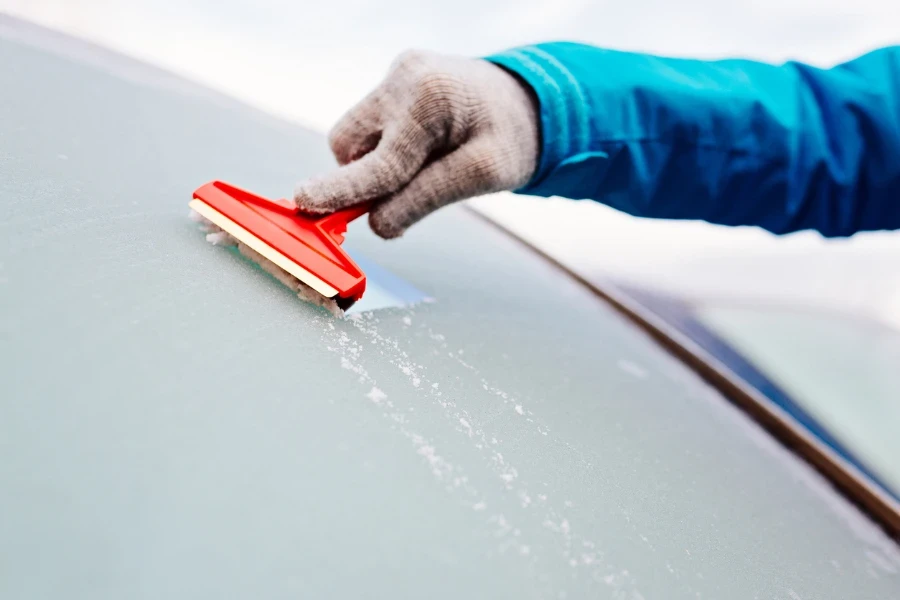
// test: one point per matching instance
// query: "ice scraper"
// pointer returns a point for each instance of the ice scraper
(303, 251)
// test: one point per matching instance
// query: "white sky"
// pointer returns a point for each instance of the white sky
(309, 61)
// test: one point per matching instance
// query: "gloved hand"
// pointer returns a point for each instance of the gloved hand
(438, 129)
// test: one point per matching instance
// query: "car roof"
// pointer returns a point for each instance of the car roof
(176, 424)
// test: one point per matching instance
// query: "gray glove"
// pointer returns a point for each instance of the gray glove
(438, 129)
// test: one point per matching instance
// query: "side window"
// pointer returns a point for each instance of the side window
(841, 369)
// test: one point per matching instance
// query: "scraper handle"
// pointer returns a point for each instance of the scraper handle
(333, 225)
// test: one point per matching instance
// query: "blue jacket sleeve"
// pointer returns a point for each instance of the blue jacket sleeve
(733, 142)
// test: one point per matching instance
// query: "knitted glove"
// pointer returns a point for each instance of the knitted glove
(438, 129)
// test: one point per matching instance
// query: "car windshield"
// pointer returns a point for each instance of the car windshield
(841, 369)
(176, 424)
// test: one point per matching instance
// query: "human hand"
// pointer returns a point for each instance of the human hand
(438, 129)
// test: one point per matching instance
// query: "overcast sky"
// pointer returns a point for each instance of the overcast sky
(309, 61)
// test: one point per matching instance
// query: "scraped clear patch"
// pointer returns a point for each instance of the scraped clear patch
(383, 288)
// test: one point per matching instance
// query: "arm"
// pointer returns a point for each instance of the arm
(732, 142)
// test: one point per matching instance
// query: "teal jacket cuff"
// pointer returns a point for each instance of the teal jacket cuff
(564, 110)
